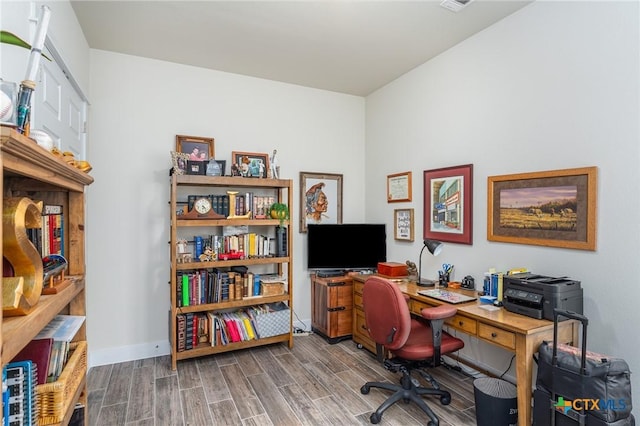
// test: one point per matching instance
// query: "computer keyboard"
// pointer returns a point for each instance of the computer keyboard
(446, 296)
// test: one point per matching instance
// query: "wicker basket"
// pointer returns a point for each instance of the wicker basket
(55, 398)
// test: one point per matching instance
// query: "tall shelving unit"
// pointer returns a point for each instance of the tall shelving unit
(181, 187)
(33, 172)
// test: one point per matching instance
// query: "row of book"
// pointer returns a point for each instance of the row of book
(250, 243)
(202, 286)
(257, 205)
(41, 361)
(222, 328)
(49, 238)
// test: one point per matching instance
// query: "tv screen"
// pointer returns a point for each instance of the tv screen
(346, 246)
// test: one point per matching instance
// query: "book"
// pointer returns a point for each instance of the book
(53, 230)
(62, 328)
(37, 351)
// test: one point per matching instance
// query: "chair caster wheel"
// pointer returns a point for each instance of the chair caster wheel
(445, 399)
(375, 418)
(364, 389)
(431, 424)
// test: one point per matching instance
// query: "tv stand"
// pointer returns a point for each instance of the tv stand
(332, 307)
(330, 273)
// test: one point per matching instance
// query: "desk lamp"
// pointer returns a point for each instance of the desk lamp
(434, 247)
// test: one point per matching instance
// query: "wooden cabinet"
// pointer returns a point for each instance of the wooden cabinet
(331, 315)
(30, 171)
(278, 261)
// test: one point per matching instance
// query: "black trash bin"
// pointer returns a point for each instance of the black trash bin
(496, 402)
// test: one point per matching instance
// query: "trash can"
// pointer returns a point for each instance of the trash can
(496, 402)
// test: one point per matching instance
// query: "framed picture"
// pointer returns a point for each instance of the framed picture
(403, 224)
(179, 161)
(553, 208)
(399, 187)
(448, 209)
(320, 199)
(223, 166)
(198, 149)
(250, 164)
(196, 167)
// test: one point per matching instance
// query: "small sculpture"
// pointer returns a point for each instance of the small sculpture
(412, 270)
(273, 165)
(208, 255)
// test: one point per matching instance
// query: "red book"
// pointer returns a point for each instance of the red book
(37, 351)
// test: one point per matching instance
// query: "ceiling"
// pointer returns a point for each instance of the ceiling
(352, 47)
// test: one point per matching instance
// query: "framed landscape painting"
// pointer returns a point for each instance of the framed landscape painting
(552, 208)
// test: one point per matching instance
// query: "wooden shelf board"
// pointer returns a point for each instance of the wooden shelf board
(235, 262)
(250, 301)
(207, 349)
(18, 331)
(231, 181)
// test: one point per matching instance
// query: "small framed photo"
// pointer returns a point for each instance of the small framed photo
(196, 167)
(250, 164)
(198, 149)
(403, 224)
(399, 187)
(223, 166)
(179, 161)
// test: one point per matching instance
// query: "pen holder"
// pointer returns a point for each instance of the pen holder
(443, 279)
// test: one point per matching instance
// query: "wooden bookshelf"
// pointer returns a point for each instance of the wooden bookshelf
(33, 172)
(180, 188)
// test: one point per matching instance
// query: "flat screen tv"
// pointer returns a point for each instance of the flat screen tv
(346, 246)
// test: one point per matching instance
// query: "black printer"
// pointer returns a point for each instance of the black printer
(536, 296)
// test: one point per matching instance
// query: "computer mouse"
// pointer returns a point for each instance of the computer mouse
(497, 303)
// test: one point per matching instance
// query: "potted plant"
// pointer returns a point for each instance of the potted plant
(279, 211)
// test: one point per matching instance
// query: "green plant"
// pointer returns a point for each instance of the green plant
(279, 211)
(10, 38)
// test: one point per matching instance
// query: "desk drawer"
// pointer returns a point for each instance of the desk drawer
(357, 300)
(360, 334)
(357, 287)
(416, 306)
(497, 336)
(463, 323)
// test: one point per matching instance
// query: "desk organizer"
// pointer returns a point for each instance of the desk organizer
(54, 398)
(275, 322)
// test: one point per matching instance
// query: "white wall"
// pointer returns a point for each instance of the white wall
(138, 107)
(553, 86)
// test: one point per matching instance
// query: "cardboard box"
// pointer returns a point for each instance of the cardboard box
(392, 269)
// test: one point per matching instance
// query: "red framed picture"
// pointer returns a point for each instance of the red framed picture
(448, 204)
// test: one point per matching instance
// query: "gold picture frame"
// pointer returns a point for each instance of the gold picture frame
(399, 187)
(555, 208)
(403, 224)
(189, 145)
(179, 161)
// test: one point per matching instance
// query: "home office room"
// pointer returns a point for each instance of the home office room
(376, 105)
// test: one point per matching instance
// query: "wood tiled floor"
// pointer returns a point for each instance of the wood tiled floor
(314, 383)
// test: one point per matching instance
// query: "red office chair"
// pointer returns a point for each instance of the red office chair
(413, 344)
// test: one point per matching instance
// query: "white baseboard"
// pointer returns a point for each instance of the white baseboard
(127, 353)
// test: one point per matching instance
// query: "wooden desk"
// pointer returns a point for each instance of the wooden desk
(514, 332)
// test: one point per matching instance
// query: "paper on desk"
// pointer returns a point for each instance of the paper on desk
(489, 308)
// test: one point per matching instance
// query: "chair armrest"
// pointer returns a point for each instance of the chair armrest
(438, 312)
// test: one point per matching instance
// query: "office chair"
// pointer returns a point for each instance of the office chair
(413, 344)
